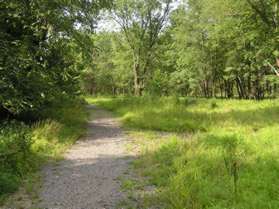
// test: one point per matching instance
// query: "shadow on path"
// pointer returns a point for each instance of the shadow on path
(88, 177)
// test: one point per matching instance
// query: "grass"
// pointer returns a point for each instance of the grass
(226, 158)
(25, 148)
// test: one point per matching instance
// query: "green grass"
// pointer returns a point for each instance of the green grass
(25, 148)
(227, 159)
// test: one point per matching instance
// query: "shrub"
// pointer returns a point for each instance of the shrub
(213, 105)
(15, 144)
(15, 152)
(8, 183)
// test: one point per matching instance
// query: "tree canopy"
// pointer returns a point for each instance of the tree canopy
(40, 41)
(208, 48)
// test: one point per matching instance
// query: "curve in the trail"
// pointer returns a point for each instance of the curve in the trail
(88, 177)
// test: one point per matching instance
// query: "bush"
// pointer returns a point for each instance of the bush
(15, 152)
(213, 105)
(8, 183)
(15, 146)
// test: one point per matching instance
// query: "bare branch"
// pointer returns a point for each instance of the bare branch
(274, 69)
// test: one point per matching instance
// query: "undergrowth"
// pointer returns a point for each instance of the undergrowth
(227, 157)
(25, 147)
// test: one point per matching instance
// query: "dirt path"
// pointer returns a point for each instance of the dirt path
(88, 176)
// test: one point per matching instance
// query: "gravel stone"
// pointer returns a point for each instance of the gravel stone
(88, 177)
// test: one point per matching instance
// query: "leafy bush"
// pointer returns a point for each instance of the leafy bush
(15, 146)
(15, 152)
(37, 68)
(213, 105)
(8, 183)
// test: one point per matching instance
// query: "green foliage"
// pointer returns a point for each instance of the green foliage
(39, 44)
(8, 183)
(65, 124)
(207, 48)
(109, 72)
(141, 23)
(15, 146)
(15, 155)
(217, 52)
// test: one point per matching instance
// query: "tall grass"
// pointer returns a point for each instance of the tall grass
(24, 148)
(228, 159)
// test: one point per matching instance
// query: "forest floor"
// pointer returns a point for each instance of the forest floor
(89, 174)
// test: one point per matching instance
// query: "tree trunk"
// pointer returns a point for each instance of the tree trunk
(137, 87)
(240, 88)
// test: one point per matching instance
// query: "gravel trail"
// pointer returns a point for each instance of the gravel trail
(88, 176)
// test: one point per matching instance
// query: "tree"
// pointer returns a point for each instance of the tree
(224, 45)
(141, 22)
(108, 72)
(208, 48)
(38, 43)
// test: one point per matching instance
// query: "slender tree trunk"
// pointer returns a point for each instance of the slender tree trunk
(137, 87)
(240, 88)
